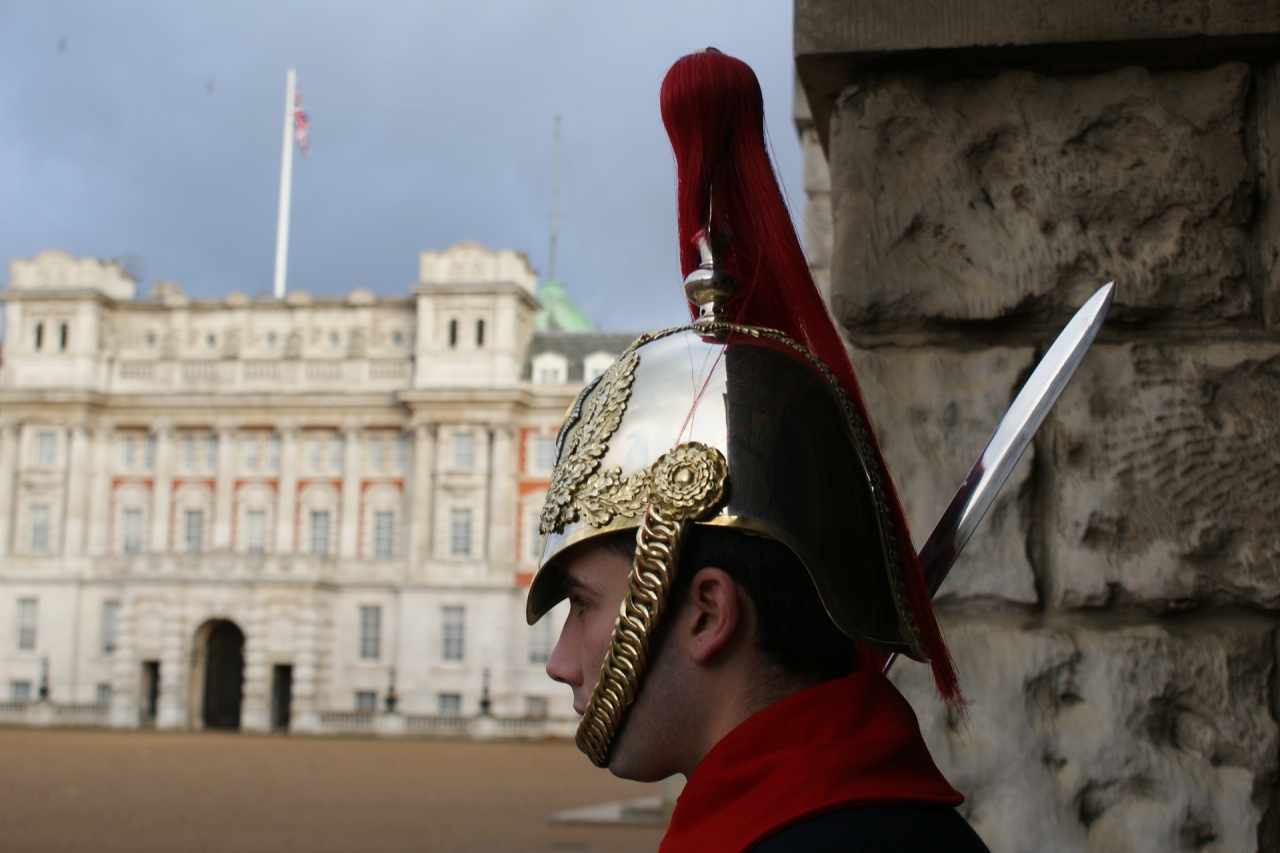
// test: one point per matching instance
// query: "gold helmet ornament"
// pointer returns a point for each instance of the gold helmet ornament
(747, 418)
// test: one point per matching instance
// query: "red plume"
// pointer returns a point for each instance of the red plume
(714, 114)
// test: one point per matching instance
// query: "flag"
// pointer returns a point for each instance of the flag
(300, 125)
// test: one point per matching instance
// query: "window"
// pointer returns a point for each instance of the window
(337, 450)
(450, 704)
(39, 335)
(26, 624)
(460, 532)
(464, 450)
(46, 443)
(366, 701)
(397, 453)
(273, 453)
(453, 334)
(39, 529)
(313, 454)
(151, 453)
(193, 531)
(211, 452)
(131, 532)
(370, 632)
(595, 364)
(62, 337)
(104, 693)
(540, 640)
(455, 627)
(479, 333)
(376, 455)
(110, 626)
(535, 707)
(384, 528)
(535, 536)
(320, 533)
(250, 448)
(550, 368)
(255, 533)
(544, 452)
(130, 454)
(189, 453)
(19, 691)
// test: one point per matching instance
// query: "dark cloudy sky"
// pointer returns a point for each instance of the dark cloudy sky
(152, 131)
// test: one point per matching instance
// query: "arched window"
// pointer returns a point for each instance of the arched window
(479, 333)
(453, 333)
(39, 335)
(62, 337)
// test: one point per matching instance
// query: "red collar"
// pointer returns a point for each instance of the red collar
(853, 741)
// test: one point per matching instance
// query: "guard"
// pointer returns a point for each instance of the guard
(737, 562)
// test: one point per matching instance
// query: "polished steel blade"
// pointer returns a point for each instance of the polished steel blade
(1010, 440)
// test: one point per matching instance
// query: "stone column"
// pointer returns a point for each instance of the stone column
(171, 712)
(8, 483)
(1114, 619)
(419, 508)
(255, 707)
(162, 490)
(124, 672)
(349, 546)
(224, 491)
(76, 503)
(502, 503)
(303, 710)
(287, 496)
(99, 522)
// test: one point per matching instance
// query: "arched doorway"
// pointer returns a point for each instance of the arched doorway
(223, 675)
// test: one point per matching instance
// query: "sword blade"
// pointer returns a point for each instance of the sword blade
(979, 489)
(1011, 439)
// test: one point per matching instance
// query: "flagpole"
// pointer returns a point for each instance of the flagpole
(286, 186)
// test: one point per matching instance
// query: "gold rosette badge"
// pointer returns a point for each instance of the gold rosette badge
(689, 481)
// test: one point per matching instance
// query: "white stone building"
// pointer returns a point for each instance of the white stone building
(264, 514)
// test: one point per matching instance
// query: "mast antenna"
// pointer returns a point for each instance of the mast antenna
(555, 200)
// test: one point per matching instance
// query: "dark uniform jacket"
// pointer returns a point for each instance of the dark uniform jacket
(838, 767)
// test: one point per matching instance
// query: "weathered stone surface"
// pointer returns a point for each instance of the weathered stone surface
(1020, 195)
(1133, 739)
(934, 410)
(1166, 462)
(876, 26)
(1267, 83)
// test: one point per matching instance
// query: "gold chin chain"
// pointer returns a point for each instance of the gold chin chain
(684, 485)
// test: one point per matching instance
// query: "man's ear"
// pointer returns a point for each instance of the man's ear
(713, 616)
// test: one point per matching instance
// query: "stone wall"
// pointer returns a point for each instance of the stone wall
(1114, 618)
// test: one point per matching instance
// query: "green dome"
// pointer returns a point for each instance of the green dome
(557, 313)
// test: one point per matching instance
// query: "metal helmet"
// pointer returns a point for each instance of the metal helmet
(729, 422)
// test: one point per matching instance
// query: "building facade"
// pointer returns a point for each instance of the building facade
(270, 514)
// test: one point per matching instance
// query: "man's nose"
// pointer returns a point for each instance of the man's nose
(562, 665)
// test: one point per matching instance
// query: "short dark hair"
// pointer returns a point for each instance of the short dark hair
(793, 629)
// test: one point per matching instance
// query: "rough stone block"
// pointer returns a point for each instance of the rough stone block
(933, 411)
(1018, 196)
(1166, 469)
(879, 26)
(1132, 739)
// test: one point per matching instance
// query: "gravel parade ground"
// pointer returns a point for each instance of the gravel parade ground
(229, 793)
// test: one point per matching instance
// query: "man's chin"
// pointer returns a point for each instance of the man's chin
(629, 760)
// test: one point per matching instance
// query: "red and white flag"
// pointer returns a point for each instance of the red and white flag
(300, 125)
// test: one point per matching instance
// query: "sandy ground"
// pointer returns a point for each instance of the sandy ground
(143, 791)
